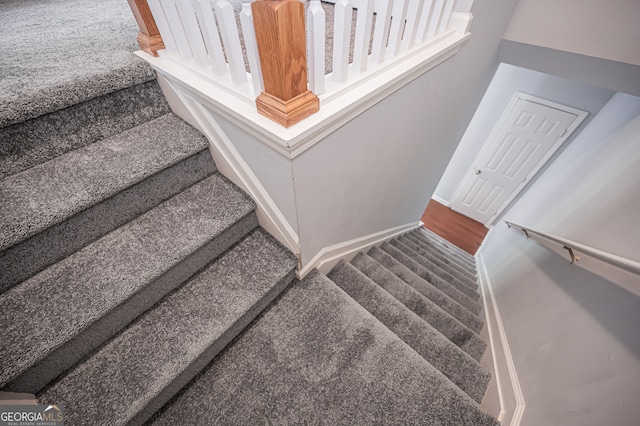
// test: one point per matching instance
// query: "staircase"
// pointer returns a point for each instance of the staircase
(137, 286)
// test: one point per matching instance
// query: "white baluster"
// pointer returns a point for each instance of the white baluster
(446, 16)
(342, 35)
(413, 13)
(248, 30)
(425, 17)
(210, 34)
(435, 18)
(192, 30)
(163, 26)
(316, 46)
(363, 35)
(397, 27)
(381, 33)
(171, 12)
(231, 41)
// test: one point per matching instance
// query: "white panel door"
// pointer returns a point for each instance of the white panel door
(528, 133)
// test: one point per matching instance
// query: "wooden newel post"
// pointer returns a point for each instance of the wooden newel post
(280, 35)
(149, 37)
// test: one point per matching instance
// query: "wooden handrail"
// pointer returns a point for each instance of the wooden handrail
(280, 36)
(149, 37)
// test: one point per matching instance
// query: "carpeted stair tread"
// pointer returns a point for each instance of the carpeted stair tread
(445, 324)
(435, 270)
(317, 357)
(470, 304)
(459, 273)
(446, 258)
(70, 51)
(51, 192)
(446, 263)
(441, 244)
(435, 348)
(444, 253)
(102, 287)
(133, 375)
(38, 140)
(25, 259)
(447, 304)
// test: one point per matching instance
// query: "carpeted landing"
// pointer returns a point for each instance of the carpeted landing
(137, 286)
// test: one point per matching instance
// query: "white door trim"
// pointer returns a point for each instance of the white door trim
(580, 116)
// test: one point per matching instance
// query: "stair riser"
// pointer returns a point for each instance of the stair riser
(446, 257)
(463, 258)
(437, 282)
(440, 273)
(459, 273)
(41, 139)
(206, 357)
(434, 347)
(64, 357)
(442, 242)
(427, 290)
(59, 241)
(447, 325)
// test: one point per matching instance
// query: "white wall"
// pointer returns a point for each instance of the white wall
(379, 170)
(574, 335)
(507, 80)
(605, 29)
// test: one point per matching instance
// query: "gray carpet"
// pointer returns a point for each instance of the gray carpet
(36, 141)
(436, 270)
(137, 372)
(432, 278)
(426, 289)
(317, 357)
(448, 326)
(57, 53)
(434, 347)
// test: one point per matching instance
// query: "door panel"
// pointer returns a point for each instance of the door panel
(526, 135)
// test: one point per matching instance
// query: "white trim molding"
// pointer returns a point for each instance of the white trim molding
(440, 200)
(338, 105)
(512, 404)
(230, 163)
(327, 257)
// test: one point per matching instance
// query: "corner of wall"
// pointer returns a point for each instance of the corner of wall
(512, 404)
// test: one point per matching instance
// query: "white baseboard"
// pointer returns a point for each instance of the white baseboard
(231, 164)
(512, 402)
(329, 256)
(440, 200)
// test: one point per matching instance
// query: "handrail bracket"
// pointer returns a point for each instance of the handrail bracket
(574, 258)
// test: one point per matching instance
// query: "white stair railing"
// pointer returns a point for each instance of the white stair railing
(205, 38)
(208, 40)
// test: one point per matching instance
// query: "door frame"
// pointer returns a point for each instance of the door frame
(580, 116)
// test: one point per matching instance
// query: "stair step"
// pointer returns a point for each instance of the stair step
(444, 252)
(59, 315)
(470, 304)
(137, 372)
(435, 348)
(441, 244)
(447, 325)
(317, 357)
(459, 273)
(38, 140)
(444, 257)
(450, 263)
(435, 270)
(55, 55)
(447, 304)
(56, 208)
